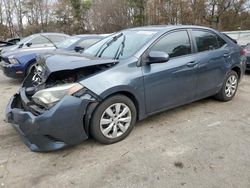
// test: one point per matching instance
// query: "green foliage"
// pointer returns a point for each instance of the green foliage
(138, 11)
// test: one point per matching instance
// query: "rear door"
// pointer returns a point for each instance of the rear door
(174, 82)
(213, 58)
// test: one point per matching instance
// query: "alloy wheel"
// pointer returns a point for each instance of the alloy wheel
(115, 120)
(231, 86)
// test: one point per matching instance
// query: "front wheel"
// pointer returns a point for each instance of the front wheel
(30, 68)
(229, 87)
(113, 119)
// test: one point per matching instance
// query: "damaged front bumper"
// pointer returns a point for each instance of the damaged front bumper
(56, 128)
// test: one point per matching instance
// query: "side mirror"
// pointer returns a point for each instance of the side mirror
(157, 57)
(20, 46)
(29, 44)
(78, 48)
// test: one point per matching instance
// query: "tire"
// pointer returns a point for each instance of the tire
(118, 116)
(230, 85)
(29, 68)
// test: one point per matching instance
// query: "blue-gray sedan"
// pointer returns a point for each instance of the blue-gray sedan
(123, 78)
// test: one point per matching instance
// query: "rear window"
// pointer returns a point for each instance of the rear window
(206, 41)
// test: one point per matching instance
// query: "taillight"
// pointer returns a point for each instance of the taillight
(243, 52)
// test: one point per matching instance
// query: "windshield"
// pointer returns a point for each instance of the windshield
(67, 43)
(25, 40)
(120, 45)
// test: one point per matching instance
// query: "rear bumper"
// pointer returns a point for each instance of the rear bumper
(57, 128)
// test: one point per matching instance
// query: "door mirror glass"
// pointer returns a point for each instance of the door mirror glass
(157, 57)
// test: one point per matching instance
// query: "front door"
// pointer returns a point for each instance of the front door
(171, 83)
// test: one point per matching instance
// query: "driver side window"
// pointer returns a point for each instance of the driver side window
(174, 44)
(39, 40)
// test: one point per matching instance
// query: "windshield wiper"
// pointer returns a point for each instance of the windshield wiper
(107, 43)
(50, 41)
(120, 49)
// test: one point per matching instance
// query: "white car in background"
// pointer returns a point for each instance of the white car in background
(242, 37)
(38, 40)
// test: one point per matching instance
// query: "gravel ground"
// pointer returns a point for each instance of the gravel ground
(203, 144)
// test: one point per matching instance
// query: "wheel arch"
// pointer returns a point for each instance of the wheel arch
(237, 70)
(29, 63)
(140, 114)
(131, 97)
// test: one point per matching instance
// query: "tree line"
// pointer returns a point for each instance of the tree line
(24, 17)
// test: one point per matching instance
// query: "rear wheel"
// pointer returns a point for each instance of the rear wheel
(113, 119)
(229, 87)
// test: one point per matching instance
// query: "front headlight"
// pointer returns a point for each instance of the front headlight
(48, 97)
(13, 60)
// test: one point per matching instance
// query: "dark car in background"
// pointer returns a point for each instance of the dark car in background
(242, 37)
(80, 42)
(121, 79)
(37, 41)
(247, 51)
(18, 63)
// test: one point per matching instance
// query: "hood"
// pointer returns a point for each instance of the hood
(59, 61)
(24, 48)
(60, 65)
(18, 53)
(9, 48)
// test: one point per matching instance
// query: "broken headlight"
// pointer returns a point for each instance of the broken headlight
(48, 97)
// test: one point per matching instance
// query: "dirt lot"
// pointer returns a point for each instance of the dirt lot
(203, 144)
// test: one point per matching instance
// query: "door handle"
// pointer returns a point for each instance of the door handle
(192, 64)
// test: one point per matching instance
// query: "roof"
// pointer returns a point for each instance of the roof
(167, 27)
(50, 34)
(89, 36)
